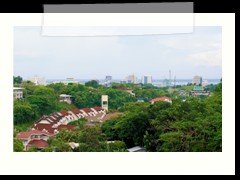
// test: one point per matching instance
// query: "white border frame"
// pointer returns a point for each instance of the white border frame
(117, 163)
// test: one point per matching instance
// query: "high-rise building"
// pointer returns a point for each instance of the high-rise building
(108, 78)
(205, 83)
(147, 79)
(108, 81)
(131, 79)
(166, 83)
(197, 80)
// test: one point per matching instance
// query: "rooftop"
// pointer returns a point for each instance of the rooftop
(87, 110)
(198, 88)
(136, 149)
(76, 111)
(161, 99)
(47, 127)
(64, 113)
(27, 134)
(97, 108)
(38, 143)
(65, 95)
(17, 88)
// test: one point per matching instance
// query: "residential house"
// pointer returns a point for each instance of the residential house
(65, 98)
(17, 93)
(27, 137)
(165, 99)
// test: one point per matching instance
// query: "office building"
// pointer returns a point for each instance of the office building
(197, 80)
(131, 79)
(147, 80)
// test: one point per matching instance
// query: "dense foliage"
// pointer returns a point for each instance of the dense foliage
(183, 126)
(190, 125)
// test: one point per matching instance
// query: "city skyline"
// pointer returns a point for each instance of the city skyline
(186, 55)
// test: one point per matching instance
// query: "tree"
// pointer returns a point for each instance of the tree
(190, 126)
(117, 146)
(17, 79)
(47, 149)
(108, 128)
(131, 128)
(23, 112)
(92, 83)
(80, 123)
(58, 144)
(91, 139)
(18, 145)
(33, 149)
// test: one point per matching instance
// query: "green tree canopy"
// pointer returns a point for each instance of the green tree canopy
(92, 83)
(18, 145)
(17, 79)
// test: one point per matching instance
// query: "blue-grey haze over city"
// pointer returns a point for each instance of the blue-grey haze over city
(186, 55)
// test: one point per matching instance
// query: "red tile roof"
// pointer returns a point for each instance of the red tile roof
(87, 110)
(64, 113)
(38, 143)
(47, 127)
(76, 111)
(26, 135)
(161, 99)
(45, 118)
(97, 108)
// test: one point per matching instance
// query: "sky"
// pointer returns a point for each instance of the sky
(186, 55)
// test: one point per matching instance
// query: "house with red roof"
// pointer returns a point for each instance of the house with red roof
(49, 128)
(67, 117)
(128, 90)
(29, 136)
(76, 113)
(53, 129)
(39, 143)
(67, 127)
(87, 112)
(165, 99)
(98, 109)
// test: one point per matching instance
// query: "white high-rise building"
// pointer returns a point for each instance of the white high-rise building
(197, 80)
(147, 79)
(108, 81)
(131, 79)
(205, 83)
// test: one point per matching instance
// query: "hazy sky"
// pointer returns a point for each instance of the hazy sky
(198, 53)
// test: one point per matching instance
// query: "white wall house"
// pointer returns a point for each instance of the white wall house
(17, 93)
(65, 98)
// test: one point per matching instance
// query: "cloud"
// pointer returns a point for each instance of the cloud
(119, 56)
(206, 58)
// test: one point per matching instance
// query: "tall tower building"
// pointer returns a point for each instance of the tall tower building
(108, 81)
(147, 79)
(105, 102)
(108, 78)
(131, 79)
(197, 80)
